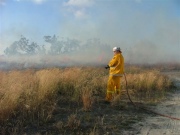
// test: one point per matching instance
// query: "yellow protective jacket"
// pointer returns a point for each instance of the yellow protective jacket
(117, 65)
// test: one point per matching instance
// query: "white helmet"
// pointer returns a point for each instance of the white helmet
(116, 49)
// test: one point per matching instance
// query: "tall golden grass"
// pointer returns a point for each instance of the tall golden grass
(32, 95)
(148, 84)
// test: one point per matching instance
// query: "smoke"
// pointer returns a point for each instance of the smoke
(162, 47)
(146, 35)
(146, 52)
(58, 53)
(47, 61)
(144, 38)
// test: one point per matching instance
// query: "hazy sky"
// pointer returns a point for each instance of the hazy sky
(144, 29)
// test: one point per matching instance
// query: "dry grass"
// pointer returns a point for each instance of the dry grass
(31, 96)
(148, 85)
(87, 99)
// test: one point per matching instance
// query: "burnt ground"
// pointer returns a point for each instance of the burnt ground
(103, 118)
(159, 125)
(69, 118)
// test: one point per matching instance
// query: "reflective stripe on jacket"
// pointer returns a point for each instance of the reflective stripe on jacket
(117, 65)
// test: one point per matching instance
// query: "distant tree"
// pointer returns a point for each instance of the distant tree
(12, 50)
(22, 47)
(93, 42)
(42, 50)
(56, 45)
(71, 45)
(62, 46)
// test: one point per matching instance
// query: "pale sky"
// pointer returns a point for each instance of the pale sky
(148, 28)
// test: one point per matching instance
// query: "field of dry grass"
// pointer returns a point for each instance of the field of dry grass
(68, 100)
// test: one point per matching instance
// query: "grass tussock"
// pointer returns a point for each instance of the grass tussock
(32, 96)
(148, 85)
(87, 99)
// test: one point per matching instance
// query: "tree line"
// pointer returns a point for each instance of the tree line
(56, 46)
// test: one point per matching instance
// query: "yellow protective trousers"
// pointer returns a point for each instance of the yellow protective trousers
(113, 87)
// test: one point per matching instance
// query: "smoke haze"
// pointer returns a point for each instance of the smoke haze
(148, 32)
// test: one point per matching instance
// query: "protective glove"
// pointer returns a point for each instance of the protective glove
(106, 67)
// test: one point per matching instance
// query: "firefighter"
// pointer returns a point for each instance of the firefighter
(116, 70)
